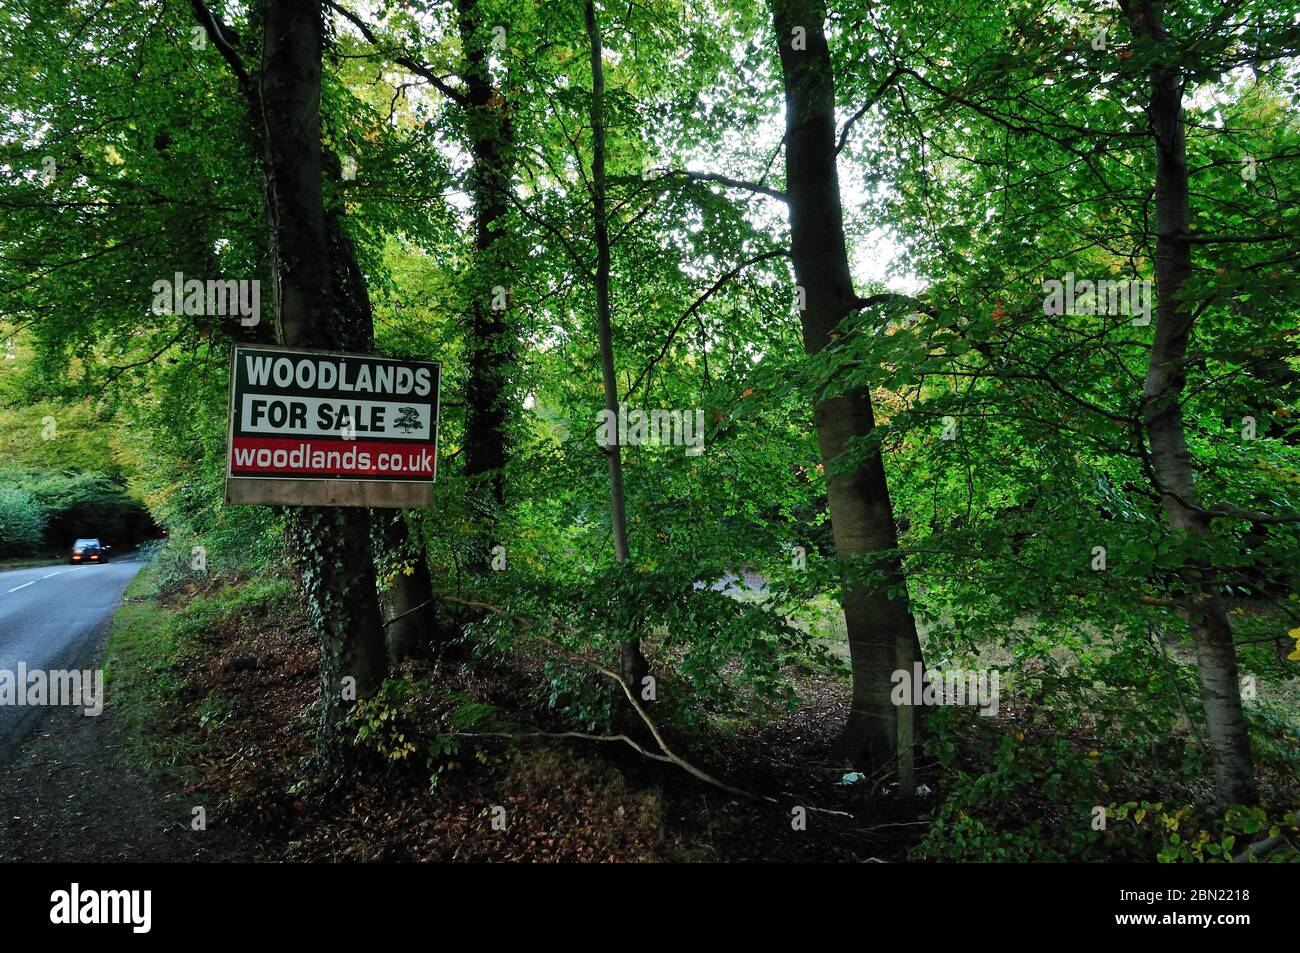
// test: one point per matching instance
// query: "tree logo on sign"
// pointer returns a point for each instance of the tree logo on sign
(408, 419)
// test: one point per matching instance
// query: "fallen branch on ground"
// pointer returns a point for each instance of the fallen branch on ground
(665, 754)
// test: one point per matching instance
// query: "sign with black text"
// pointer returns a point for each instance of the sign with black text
(298, 415)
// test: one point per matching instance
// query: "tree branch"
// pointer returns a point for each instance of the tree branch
(729, 182)
(419, 69)
(844, 133)
(695, 306)
(221, 35)
(1237, 239)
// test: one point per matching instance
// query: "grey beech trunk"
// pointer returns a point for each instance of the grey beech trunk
(881, 632)
(1162, 414)
(331, 545)
(412, 624)
(632, 663)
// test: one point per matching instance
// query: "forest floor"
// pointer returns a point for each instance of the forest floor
(222, 708)
(235, 735)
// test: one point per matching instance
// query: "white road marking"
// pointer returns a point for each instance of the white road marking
(23, 586)
(52, 574)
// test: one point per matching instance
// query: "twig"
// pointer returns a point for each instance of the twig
(848, 126)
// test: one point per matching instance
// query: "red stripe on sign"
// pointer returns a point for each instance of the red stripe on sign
(251, 456)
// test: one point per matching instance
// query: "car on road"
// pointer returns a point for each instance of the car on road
(88, 551)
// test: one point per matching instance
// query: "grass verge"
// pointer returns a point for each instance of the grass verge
(142, 683)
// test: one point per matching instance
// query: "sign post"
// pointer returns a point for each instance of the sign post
(318, 428)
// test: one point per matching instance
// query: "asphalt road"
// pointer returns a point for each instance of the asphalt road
(53, 617)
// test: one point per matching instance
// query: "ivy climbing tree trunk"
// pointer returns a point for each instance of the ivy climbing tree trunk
(410, 617)
(1162, 414)
(632, 663)
(331, 545)
(881, 631)
(490, 345)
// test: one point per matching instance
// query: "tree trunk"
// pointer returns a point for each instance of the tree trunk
(490, 347)
(412, 622)
(332, 546)
(411, 619)
(1162, 414)
(881, 631)
(632, 663)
